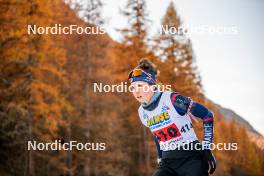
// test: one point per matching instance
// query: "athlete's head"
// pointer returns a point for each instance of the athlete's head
(143, 80)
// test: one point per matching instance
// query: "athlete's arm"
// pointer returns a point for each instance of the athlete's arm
(183, 104)
(159, 152)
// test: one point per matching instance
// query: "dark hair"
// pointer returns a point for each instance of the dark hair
(146, 65)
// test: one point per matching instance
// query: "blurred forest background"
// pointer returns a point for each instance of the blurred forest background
(46, 93)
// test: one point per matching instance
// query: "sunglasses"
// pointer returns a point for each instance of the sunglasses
(135, 72)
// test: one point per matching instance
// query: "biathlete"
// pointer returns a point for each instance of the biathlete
(168, 116)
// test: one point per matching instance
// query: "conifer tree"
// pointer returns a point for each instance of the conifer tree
(132, 48)
(92, 12)
(175, 49)
(31, 78)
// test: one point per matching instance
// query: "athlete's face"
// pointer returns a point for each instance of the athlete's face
(142, 91)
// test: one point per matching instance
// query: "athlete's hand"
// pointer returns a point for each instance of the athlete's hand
(210, 159)
(159, 161)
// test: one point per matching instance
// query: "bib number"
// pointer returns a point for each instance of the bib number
(167, 133)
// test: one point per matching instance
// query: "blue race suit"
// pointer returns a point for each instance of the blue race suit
(168, 116)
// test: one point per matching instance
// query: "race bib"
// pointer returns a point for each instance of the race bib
(167, 133)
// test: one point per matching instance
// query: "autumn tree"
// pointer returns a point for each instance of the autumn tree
(92, 12)
(175, 49)
(94, 117)
(128, 52)
(31, 76)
